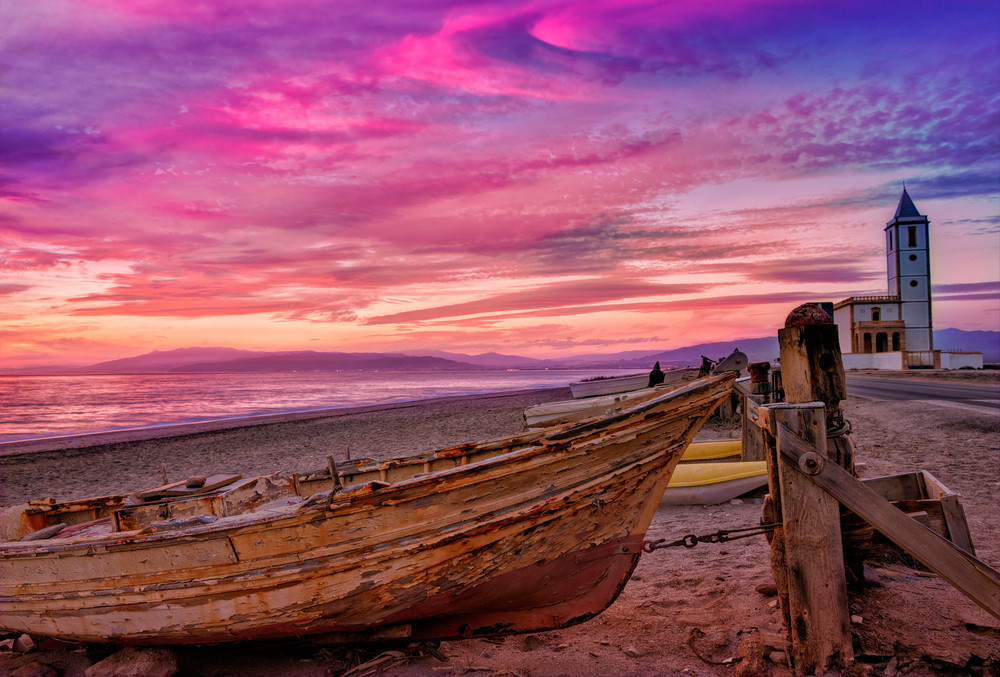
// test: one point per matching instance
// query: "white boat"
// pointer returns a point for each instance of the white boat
(612, 385)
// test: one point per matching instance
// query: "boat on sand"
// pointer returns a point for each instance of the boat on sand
(532, 532)
(610, 385)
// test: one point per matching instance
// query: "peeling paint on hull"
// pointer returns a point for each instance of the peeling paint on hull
(513, 536)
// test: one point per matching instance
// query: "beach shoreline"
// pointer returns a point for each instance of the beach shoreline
(49, 443)
(117, 462)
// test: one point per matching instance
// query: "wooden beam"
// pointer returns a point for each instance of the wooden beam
(977, 580)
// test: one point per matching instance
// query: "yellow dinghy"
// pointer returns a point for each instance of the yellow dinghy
(712, 451)
(711, 483)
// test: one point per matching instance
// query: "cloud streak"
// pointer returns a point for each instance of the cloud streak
(320, 170)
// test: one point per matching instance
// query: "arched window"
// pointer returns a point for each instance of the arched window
(881, 342)
(868, 343)
(895, 342)
(876, 314)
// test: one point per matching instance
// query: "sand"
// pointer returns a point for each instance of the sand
(684, 612)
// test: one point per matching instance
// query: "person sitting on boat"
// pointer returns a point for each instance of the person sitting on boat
(656, 376)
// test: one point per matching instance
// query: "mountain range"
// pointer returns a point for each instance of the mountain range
(201, 360)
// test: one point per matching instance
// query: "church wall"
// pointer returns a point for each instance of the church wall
(961, 360)
(873, 361)
(918, 339)
(910, 292)
(842, 318)
(916, 315)
(913, 263)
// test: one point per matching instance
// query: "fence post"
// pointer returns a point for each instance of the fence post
(807, 552)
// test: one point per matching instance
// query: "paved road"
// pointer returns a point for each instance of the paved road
(913, 389)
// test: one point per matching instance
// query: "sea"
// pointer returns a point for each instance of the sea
(33, 407)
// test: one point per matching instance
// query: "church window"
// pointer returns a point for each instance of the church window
(876, 314)
(913, 257)
(890, 240)
(911, 236)
(913, 283)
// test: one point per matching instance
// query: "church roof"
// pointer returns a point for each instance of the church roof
(906, 206)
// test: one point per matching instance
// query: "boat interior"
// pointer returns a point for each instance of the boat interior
(197, 500)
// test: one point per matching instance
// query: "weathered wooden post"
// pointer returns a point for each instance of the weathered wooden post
(807, 553)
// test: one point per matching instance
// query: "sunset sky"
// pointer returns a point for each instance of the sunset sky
(537, 178)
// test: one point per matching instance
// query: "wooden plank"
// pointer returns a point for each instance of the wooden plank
(901, 487)
(814, 558)
(975, 579)
(958, 526)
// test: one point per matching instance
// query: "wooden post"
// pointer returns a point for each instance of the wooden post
(752, 448)
(818, 613)
(807, 552)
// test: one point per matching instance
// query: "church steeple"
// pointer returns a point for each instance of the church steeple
(908, 265)
(906, 206)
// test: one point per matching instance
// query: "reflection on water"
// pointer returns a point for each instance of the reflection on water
(41, 406)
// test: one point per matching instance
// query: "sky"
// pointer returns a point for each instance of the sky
(536, 178)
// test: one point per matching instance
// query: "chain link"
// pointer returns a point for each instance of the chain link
(720, 536)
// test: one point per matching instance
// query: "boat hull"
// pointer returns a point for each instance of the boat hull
(536, 536)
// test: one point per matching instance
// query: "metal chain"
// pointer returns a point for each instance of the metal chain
(720, 536)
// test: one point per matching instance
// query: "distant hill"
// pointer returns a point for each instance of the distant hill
(317, 361)
(201, 360)
(756, 349)
(166, 360)
(492, 360)
(985, 342)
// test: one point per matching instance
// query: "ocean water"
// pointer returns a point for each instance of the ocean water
(45, 406)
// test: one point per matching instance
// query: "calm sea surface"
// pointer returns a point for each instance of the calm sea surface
(44, 406)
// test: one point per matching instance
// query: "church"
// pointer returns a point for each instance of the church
(895, 330)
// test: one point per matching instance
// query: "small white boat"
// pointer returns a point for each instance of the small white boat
(622, 384)
(608, 385)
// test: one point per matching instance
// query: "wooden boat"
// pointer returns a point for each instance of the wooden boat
(532, 532)
(711, 483)
(621, 384)
(566, 411)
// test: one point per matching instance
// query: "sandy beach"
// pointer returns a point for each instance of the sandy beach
(685, 612)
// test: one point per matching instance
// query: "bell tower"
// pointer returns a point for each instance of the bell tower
(907, 252)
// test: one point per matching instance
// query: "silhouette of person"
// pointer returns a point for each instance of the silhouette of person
(655, 376)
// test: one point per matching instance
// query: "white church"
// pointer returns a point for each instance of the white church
(895, 330)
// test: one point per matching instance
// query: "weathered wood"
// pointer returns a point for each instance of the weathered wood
(921, 490)
(975, 579)
(813, 552)
(811, 366)
(753, 442)
(956, 523)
